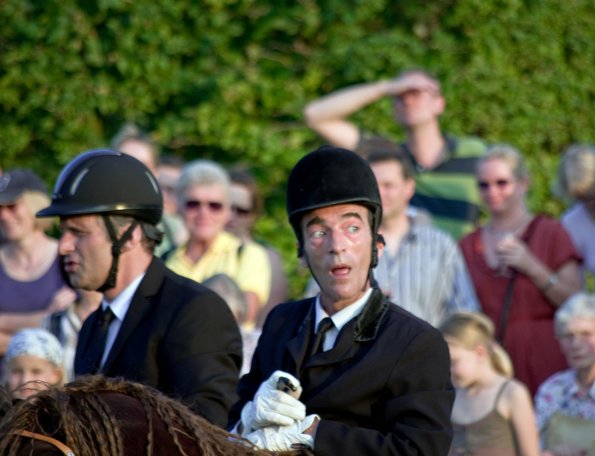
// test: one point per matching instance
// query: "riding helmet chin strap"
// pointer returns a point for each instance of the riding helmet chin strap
(117, 244)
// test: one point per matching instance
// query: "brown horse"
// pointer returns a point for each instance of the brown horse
(98, 416)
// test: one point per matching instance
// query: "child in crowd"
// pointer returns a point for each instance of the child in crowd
(33, 362)
(492, 413)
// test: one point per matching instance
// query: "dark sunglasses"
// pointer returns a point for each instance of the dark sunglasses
(500, 183)
(214, 206)
(241, 210)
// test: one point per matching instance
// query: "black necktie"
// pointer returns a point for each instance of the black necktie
(100, 336)
(324, 325)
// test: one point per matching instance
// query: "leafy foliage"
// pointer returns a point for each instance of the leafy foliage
(228, 79)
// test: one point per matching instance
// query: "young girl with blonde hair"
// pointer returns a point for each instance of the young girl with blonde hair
(492, 414)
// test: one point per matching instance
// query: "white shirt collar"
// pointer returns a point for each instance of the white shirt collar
(342, 317)
(121, 303)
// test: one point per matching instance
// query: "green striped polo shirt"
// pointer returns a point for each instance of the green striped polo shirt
(449, 191)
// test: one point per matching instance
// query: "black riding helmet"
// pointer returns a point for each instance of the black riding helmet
(106, 182)
(330, 176)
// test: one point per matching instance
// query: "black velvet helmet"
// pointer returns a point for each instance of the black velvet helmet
(106, 182)
(330, 176)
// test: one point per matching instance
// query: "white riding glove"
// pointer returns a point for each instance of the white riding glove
(283, 438)
(271, 406)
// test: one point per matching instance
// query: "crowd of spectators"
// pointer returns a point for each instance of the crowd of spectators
(455, 246)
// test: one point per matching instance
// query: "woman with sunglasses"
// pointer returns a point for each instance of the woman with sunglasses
(523, 267)
(204, 201)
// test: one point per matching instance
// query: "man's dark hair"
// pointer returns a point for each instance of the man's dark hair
(152, 235)
(394, 153)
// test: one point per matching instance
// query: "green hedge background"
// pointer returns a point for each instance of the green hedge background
(228, 79)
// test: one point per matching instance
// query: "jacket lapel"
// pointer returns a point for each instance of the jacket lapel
(139, 307)
(362, 328)
(318, 371)
(298, 345)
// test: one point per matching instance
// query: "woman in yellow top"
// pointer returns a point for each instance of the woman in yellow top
(203, 193)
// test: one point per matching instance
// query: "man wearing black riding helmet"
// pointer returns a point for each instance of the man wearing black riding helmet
(153, 326)
(376, 379)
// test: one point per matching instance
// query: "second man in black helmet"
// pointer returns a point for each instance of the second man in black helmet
(153, 326)
(347, 372)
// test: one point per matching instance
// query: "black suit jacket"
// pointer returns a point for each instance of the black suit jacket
(177, 336)
(383, 389)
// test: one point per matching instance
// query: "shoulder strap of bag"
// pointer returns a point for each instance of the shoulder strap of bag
(507, 303)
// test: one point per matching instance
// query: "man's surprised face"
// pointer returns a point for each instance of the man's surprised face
(338, 250)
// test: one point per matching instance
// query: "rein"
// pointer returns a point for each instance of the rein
(44, 438)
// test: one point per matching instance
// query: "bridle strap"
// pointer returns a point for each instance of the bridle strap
(44, 438)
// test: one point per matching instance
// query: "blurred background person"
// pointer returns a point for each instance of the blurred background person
(492, 413)
(246, 206)
(33, 362)
(565, 402)
(133, 141)
(66, 324)
(523, 266)
(169, 170)
(576, 183)
(204, 197)
(32, 283)
(228, 289)
(422, 268)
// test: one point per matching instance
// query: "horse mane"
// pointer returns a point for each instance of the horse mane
(99, 416)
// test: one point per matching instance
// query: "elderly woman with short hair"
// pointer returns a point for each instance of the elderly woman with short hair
(565, 402)
(203, 193)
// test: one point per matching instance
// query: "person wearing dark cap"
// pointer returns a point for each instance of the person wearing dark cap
(346, 372)
(31, 281)
(153, 326)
